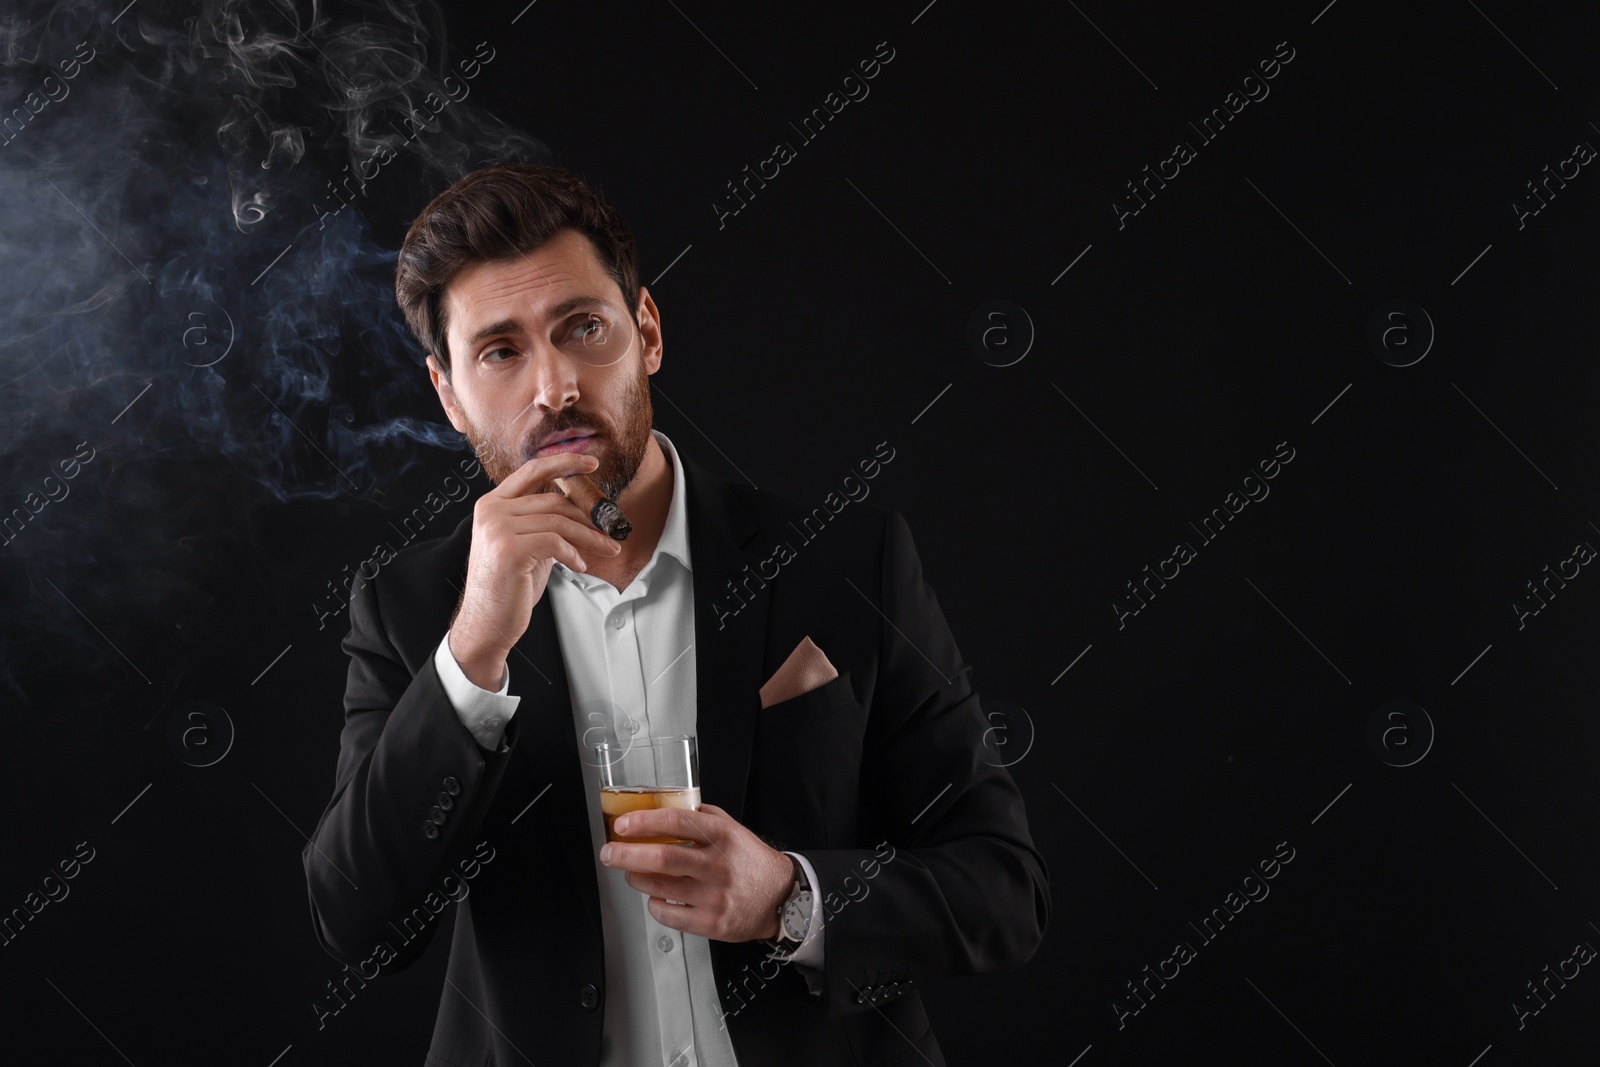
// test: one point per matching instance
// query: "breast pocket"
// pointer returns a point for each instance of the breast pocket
(817, 703)
(805, 766)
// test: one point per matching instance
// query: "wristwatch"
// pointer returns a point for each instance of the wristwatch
(794, 914)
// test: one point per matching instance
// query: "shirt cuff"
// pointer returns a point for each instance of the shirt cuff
(484, 713)
(809, 954)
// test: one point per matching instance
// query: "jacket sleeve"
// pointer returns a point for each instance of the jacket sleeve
(410, 793)
(956, 885)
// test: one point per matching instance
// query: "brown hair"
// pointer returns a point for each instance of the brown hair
(500, 212)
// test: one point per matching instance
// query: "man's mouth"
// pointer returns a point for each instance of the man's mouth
(569, 444)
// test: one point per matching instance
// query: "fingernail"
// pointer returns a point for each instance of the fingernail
(582, 566)
(622, 825)
(605, 853)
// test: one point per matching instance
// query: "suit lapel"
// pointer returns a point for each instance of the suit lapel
(728, 675)
(727, 655)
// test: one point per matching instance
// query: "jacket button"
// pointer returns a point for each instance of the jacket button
(437, 816)
(445, 802)
(430, 831)
(589, 996)
(452, 786)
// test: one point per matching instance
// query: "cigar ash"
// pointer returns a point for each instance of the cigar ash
(601, 509)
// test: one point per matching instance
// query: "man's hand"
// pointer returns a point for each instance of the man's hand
(730, 883)
(518, 534)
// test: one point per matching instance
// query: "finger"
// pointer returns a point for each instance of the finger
(538, 504)
(579, 533)
(702, 826)
(568, 522)
(678, 916)
(661, 822)
(651, 858)
(545, 545)
(554, 506)
(539, 470)
(657, 885)
(551, 537)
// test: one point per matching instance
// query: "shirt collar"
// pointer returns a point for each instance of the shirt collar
(674, 540)
(675, 537)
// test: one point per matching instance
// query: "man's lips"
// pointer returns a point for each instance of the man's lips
(571, 444)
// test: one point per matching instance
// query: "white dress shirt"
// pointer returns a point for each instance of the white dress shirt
(630, 665)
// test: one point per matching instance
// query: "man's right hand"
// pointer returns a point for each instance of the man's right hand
(517, 535)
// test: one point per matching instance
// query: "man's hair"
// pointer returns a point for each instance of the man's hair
(499, 213)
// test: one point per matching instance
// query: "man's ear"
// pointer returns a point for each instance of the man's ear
(447, 395)
(649, 331)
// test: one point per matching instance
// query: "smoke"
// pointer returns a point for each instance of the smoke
(197, 294)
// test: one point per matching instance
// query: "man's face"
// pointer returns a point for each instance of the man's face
(541, 346)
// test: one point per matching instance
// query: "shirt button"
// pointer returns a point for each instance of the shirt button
(618, 622)
(430, 831)
(664, 943)
(437, 815)
(589, 997)
(445, 802)
(452, 786)
(632, 726)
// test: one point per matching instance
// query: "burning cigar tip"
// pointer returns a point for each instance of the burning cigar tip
(609, 519)
(601, 509)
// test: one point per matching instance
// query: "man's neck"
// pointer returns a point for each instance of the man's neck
(645, 502)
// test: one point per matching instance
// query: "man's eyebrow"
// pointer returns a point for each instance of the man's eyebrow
(503, 326)
(566, 307)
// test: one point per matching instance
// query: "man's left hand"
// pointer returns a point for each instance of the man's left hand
(727, 887)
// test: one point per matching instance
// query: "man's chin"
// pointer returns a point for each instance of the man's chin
(612, 478)
(610, 484)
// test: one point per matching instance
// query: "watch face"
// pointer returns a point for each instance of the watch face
(797, 916)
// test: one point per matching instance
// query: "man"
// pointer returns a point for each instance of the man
(848, 795)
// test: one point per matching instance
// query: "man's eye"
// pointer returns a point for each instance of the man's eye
(591, 329)
(489, 356)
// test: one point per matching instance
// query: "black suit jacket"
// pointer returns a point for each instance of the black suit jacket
(891, 751)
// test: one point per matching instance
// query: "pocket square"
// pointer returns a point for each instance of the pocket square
(804, 670)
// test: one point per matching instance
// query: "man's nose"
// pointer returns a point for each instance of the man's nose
(554, 377)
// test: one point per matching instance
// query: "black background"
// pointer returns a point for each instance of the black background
(832, 313)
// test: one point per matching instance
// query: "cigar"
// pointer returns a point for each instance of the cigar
(601, 509)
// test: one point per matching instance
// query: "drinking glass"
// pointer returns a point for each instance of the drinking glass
(641, 775)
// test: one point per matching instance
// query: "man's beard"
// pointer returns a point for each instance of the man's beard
(621, 451)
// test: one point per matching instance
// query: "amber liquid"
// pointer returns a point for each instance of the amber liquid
(620, 801)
